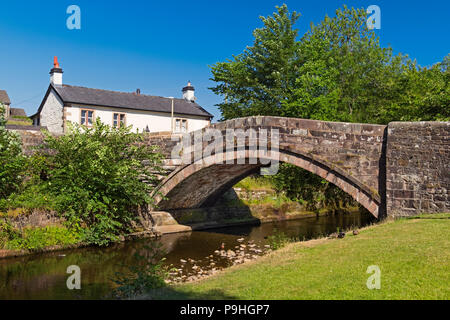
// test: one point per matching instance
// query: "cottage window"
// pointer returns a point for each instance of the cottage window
(118, 120)
(87, 117)
(180, 125)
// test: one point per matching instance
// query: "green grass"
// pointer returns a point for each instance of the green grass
(413, 255)
(38, 238)
(255, 183)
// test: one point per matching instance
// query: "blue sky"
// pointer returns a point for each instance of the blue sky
(158, 46)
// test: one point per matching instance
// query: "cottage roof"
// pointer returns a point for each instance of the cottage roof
(17, 112)
(127, 100)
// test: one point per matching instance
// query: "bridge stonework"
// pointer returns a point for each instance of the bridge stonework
(418, 168)
(346, 154)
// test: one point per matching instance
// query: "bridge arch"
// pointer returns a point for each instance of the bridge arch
(200, 184)
(349, 155)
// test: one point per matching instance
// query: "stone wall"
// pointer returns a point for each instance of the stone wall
(418, 168)
(36, 218)
(31, 138)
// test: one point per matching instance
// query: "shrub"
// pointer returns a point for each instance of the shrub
(12, 160)
(7, 232)
(97, 177)
(33, 196)
(278, 239)
(39, 238)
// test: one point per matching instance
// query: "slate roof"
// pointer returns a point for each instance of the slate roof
(17, 112)
(126, 100)
(4, 98)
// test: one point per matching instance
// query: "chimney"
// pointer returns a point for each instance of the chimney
(138, 92)
(56, 73)
(188, 92)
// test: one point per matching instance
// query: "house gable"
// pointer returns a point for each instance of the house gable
(51, 111)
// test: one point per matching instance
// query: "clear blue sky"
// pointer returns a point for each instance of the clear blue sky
(158, 46)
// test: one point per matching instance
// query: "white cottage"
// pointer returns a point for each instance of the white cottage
(63, 103)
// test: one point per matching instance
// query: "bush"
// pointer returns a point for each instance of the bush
(12, 160)
(32, 196)
(7, 232)
(97, 177)
(278, 239)
(39, 238)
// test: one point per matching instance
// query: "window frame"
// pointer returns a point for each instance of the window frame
(181, 125)
(118, 119)
(87, 117)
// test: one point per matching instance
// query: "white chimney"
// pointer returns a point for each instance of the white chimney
(188, 92)
(56, 73)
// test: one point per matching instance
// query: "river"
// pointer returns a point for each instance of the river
(44, 276)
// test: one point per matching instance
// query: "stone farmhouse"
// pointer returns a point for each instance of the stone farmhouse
(63, 103)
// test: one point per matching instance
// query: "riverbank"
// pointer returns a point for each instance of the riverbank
(412, 254)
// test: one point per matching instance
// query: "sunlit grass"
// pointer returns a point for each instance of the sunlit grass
(255, 183)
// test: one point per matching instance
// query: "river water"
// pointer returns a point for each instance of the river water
(44, 276)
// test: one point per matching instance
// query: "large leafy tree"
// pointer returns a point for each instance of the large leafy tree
(423, 94)
(344, 71)
(261, 78)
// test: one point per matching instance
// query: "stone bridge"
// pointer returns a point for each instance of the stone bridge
(396, 170)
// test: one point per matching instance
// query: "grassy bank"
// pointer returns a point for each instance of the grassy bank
(413, 255)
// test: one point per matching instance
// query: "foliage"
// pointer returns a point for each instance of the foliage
(7, 232)
(309, 189)
(33, 196)
(423, 94)
(147, 273)
(262, 77)
(278, 239)
(255, 183)
(97, 176)
(21, 118)
(39, 238)
(11, 159)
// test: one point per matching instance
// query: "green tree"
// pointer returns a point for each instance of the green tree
(260, 79)
(423, 94)
(344, 71)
